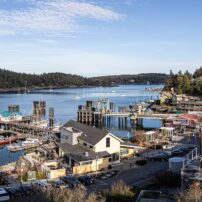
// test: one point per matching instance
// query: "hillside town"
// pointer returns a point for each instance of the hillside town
(163, 152)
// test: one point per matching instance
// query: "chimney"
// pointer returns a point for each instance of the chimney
(86, 154)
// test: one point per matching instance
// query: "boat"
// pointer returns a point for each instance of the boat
(77, 97)
(30, 142)
(15, 148)
(7, 140)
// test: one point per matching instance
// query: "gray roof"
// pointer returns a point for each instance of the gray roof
(90, 134)
(127, 144)
(77, 152)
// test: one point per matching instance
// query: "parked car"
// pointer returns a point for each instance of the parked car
(27, 188)
(14, 192)
(59, 184)
(40, 185)
(190, 148)
(4, 195)
(156, 146)
(159, 157)
(71, 181)
(184, 150)
(167, 153)
(177, 152)
(86, 180)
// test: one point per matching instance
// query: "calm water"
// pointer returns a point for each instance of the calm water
(8, 157)
(66, 101)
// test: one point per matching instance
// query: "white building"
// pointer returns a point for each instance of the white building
(88, 149)
(7, 116)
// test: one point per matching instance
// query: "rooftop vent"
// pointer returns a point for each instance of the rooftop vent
(86, 154)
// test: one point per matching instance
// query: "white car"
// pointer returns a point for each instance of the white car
(4, 196)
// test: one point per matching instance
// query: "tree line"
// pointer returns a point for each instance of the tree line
(185, 83)
(10, 79)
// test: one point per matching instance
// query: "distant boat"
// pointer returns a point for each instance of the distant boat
(113, 91)
(77, 97)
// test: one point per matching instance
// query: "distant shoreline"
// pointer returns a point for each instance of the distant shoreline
(33, 89)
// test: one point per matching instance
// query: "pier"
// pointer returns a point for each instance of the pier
(24, 130)
(102, 112)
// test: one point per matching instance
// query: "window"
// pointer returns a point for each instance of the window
(124, 151)
(108, 142)
(115, 156)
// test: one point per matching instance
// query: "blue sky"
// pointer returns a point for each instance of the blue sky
(100, 37)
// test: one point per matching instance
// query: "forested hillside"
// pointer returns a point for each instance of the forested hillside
(11, 80)
(152, 78)
(185, 83)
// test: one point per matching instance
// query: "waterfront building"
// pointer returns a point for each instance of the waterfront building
(88, 149)
(7, 116)
(187, 106)
(53, 169)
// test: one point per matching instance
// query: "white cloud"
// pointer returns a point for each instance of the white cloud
(6, 32)
(53, 16)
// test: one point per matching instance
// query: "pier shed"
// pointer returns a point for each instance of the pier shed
(167, 132)
(150, 136)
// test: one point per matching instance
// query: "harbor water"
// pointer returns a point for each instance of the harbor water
(66, 101)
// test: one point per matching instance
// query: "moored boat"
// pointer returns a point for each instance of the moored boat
(30, 142)
(7, 140)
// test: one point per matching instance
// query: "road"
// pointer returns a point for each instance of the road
(138, 176)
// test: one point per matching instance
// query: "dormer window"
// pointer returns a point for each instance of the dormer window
(108, 142)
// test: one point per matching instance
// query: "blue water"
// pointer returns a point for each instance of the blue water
(8, 157)
(66, 101)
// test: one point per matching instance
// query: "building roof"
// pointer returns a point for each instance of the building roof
(90, 134)
(77, 152)
(127, 145)
(167, 128)
(151, 132)
(7, 114)
(189, 116)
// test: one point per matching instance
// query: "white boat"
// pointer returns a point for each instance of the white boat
(77, 97)
(30, 142)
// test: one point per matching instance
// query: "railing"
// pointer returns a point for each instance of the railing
(190, 156)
